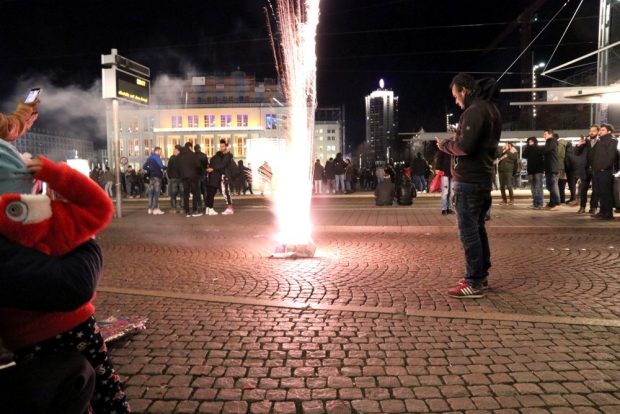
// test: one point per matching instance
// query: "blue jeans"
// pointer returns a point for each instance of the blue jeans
(471, 202)
(340, 183)
(537, 189)
(153, 191)
(420, 182)
(553, 188)
(446, 184)
(175, 188)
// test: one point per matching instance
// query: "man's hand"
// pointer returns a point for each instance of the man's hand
(440, 142)
(209, 170)
(34, 166)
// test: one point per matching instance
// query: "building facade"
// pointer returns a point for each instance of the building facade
(247, 113)
(328, 133)
(56, 147)
(381, 125)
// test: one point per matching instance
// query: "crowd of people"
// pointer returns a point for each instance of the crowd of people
(589, 165)
(189, 177)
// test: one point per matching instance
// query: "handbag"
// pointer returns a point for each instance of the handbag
(435, 186)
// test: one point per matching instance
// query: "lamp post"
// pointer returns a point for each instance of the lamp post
(534, 94)
(448, 122)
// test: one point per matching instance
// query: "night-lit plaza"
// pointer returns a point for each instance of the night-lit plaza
(366, 325)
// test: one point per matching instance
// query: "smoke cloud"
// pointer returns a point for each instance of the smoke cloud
(69, 111)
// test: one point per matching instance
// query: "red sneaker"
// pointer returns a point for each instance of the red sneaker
(465, 291)
(484, 287)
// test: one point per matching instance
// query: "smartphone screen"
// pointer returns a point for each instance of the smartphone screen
(32, 95)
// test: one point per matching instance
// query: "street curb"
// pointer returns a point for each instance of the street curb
(493, 316)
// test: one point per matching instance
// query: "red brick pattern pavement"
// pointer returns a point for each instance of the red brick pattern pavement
(201, 357)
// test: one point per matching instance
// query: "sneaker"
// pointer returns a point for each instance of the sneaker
(212, 212)
(150, 211)
(444, 212)
(503, 203)
(554, 208)
(581, 210)
(196, 214)
(158, 212)
(228, 212)
(465, 291)
(188, 215)
(592, 211)
(572, 203)
(485, 284)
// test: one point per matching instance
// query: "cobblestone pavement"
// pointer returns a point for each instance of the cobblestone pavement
(211, 358)
(213, 354)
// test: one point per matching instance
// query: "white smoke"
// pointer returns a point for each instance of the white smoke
(69, 111)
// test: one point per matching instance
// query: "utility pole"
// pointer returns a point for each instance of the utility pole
(602, 66)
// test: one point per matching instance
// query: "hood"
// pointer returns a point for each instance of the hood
(486, 89)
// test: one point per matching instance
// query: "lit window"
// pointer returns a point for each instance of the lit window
(225, 120)
(177, 121)
(209, 121)
(242, 120)
(192, 121)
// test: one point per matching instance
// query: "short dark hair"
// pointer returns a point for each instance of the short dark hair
(548, 131)
(197, 147)
(597, 126)
(156, 149)
(188, 145)
(609, 127)
(178, 147)
(463, 81)
(223, 141)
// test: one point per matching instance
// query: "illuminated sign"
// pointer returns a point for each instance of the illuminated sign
(132, 88)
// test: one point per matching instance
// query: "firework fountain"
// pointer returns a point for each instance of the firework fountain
(294, 46)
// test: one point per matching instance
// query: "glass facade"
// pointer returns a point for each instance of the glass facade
(56, 147)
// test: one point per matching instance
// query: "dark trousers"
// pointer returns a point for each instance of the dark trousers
(211, 191)
(190, 185)
(603, 184)
(584, 186)
(471, 202)
(58, 383)
(505, 182)
(86, 338)
(571, 182)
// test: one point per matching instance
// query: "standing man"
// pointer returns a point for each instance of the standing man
(443, 166)
(318, 177)
(473, 151)
(339, 170)
(175, 185)
(108, 178)
(505, 169)
(154, 169)
(222, 164)
(552, 169)
(535, 169)
(330, 176)
(190, 167)
(585, 148)
(604, 166)
(418, 171)
(202, 175)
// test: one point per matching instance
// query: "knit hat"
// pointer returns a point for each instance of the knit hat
(14, 177)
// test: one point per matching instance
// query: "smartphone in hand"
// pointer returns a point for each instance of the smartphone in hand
(32, 95)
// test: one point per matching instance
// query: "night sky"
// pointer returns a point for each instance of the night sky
(415, 45)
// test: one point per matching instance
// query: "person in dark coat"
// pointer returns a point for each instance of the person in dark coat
(202, 174)
(604, 166)
(340, 167)
(419, 167)
(189, 165)
(330, 176)
(443, 166)
(318, 177)
(535, 169)
(585, 150)
(552, 169)
(220, 171)
(175, 183)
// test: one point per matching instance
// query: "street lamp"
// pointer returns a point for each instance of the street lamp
(534, 85)
(448, 122)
